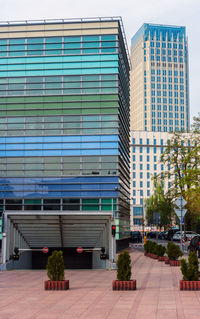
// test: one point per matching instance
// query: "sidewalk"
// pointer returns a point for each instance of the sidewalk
(91, 297)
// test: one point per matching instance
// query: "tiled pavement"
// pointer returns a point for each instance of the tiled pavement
(90, 296)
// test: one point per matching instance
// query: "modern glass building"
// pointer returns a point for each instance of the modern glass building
(159, 79)
(64, 134)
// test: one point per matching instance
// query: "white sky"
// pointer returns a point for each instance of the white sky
(134, 14)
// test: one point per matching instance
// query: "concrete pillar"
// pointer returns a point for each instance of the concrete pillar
(8, 240)
(4, 239)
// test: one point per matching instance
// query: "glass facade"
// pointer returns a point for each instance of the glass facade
(64, 120)
(163, 69)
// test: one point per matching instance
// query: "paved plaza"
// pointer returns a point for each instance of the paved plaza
(22, 295)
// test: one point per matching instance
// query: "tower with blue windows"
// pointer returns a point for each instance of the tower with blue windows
(159, 79)
(64, 123)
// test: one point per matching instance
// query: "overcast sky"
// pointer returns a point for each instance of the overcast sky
(134, 14)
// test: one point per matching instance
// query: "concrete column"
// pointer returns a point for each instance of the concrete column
(8, 240)
(4, 239)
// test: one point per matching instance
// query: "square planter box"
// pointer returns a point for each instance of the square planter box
(189, 285)
(154, 256)
(174, 262)
(163, 258)
(56, 285)
(124, 285)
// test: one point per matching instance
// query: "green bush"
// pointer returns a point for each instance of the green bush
(147, 246)
(150, 247)
(124, 266)
(173, 251)
(160, 250)
(55, 266)
(190, 270)
(154, 247)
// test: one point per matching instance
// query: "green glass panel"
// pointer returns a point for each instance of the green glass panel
(32, 201)
(90, 207)
(90, 111)
(71, 112)
(106, 207)
(106, 201)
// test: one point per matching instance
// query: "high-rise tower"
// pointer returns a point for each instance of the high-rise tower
(159, 79)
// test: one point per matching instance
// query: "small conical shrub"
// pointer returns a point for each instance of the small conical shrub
(190, 270)
(55, 266)
(124, 266)
(173, 251)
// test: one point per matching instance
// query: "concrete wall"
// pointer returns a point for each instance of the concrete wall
(24, 262)
(97, 263)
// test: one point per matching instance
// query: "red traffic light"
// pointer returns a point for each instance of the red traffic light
(113, 230)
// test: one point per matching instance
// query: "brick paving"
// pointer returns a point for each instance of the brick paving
(90, 296)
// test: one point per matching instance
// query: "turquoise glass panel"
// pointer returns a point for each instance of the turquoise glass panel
(35, 47)
(16, 41)
(35, 40)
(91, 38)
(53, 40)
(72, 39)
(108, 37)
(91, 45)
(71, 51)
(72, 45)
(60, 72)
(16, 47)
(16, 53)
(96, 57)
(3, 42)
(53, 46)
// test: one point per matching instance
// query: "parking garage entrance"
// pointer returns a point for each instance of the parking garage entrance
(30, 232)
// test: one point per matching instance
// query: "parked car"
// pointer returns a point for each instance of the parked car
(135, 237)
(152, 234)
(194, 245)
(170, 233)
(161, 235)
(188, 235)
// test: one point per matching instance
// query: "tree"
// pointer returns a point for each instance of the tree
(182, 158)
(160, 203)
(196, 123)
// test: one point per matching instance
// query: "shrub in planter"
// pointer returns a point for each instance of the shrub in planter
(124, 281)
(173, 252)
(190, 273)
(55, 271)
(153, 248)
(160, 251)
(147, 246)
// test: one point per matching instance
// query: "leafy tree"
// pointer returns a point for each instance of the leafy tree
(182, 158)
(161, 203)
(196, 123)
